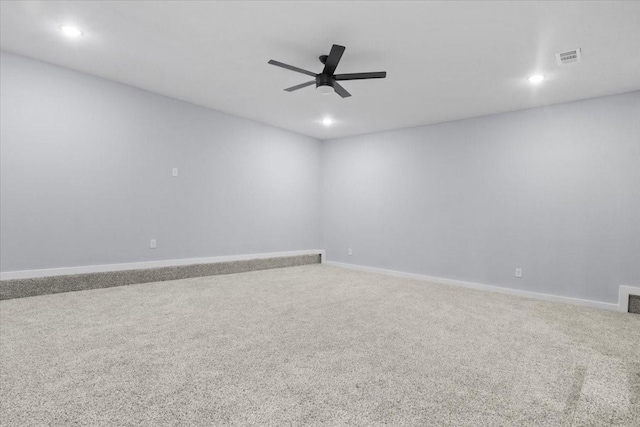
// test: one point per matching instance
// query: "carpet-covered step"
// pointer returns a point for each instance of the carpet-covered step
(20, 288)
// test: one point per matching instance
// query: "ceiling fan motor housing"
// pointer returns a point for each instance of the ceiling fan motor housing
(324, 80)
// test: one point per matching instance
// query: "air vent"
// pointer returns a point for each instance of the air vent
(568, 57)
(634, 304)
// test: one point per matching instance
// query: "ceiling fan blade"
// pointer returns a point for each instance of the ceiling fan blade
(340, 90)
(333, 59)
(300, 86)
(292, 68)
(359, 76)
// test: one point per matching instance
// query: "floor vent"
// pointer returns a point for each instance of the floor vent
(568, 57)
(634, 304)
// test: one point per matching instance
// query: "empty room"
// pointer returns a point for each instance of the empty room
(337, 213)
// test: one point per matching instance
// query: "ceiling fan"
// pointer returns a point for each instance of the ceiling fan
(327, 82)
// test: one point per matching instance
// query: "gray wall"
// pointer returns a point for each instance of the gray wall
(86, 179)
(554, 191)
(86, 175)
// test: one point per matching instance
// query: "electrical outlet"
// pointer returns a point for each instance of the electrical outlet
(174, 172)
(350, 251)
(518, 272)
(153, 244)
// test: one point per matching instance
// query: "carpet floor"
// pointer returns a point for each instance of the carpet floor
(313, 345)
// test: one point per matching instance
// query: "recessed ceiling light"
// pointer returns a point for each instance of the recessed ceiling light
(536, 78)
(327, 121)
(70, 31)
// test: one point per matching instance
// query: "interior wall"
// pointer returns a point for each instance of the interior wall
(86, 175)
(554, 191)
(86, 179)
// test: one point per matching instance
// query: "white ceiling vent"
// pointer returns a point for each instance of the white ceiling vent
(568, 57)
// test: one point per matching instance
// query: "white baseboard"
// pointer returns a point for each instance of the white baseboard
(623, 300)
(623, 297)
(63, 271)
(480, 286)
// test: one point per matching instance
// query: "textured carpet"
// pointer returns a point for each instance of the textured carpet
(20, 288)
(313, 345)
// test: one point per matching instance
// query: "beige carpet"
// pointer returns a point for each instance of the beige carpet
(313, 345)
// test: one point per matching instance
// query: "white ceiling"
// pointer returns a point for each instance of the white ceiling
(445, 60)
